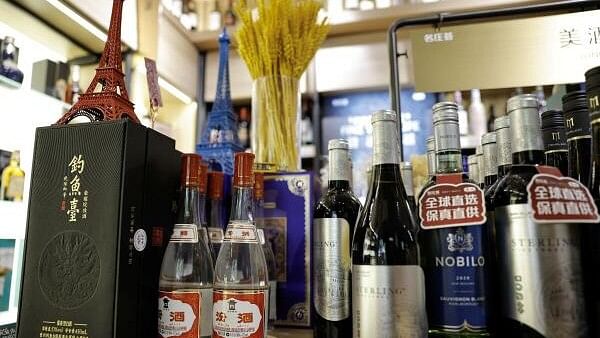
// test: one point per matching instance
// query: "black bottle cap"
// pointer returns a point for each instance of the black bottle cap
(553, 119)
(592, 78)
(576, 100)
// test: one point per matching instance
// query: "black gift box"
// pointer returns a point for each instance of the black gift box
(100, 216)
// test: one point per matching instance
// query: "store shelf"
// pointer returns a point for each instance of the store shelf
(359, 22)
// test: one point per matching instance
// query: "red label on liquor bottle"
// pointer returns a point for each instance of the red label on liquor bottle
(179, 314)
(238, 314)
(553, 199)
(451, 203)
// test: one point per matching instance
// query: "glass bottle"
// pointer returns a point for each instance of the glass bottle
(579, 138)
(186, 276)
(334, 220)
(539, 264)
(477, 115)
(13, 179)
(503, 155)
(215, 196)
(385, 253)
(555, 142)
(8, 60)
(259, 212)
(241, 287)
(490, 151)
(457, 296)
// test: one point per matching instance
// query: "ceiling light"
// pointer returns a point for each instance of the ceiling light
(90, 27)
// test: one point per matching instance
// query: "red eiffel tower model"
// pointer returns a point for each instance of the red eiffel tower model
(111, 102)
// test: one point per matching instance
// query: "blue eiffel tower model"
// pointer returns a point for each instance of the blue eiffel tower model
(219, 141)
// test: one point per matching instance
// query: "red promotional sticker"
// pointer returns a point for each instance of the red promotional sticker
(560, 199)
(238, 314)
(179, 314)
(451, 203)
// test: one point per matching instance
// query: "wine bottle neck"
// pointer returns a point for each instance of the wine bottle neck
(449, 162)
(531, 157)
(504, 169)
(242, 204)
(338, 185)
(188, 206)
(386, 146)
(339, 165)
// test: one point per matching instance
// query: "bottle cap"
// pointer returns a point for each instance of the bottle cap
(553, 119)
(215, 185)
(383, 115)
(501, 122)
(243, 172)
(592, 78)
(244, 114)
(202, 177)
(445, 112)
(190, 164)
(488, 138)
(479, 150)
(338, 143)
(259, 186)
(576, 100)
(521, 102)
(430, 143)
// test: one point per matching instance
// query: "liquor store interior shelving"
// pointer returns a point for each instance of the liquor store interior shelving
(304, 85)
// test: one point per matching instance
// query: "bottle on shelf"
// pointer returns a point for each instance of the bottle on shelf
(591, 233)
(480, 166)
(229, 18)
(244, 127)
(214, 16)
(555, 142)
(215, 196)
(186, 276)
(453, 230)
(406, 171)
(13, 179)
(477, 115)
(265, 243)
(473, 168)
(73, 89)
(490, 153)
(8, 60)
(241, 284)
(539, 264)
(385, 254)
(503, 155)
(579, 137)
(201, 209)
(333, 226)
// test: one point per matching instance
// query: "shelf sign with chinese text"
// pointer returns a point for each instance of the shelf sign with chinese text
(451, 203)
(560, 199)
(542, 50)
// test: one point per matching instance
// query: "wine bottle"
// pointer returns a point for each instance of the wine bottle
(503, 155)
(186, 276)
(201, 209)
(334, 219)
(215, 196)
(12, 180)
(477, 115)
(266, 244)
(555, 142)
(480, 166)
(473, 168)
(539, 264)
(8, 60)
(579, 138)
(241, 285)
(406, 171)
(490, 153)
(388, 287)
(456, 292)
(591, 238)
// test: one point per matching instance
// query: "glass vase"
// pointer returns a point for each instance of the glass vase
(276, 125)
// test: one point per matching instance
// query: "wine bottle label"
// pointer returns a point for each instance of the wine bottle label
(577, 123)
(331, 268)
(503, 147)
(215, 235)
(455, 270)
(388, 301)
(339, 165)
(184, 233)
(540, 273)
(554, 139)
(239, 314)
(560, 199)
(185, 314)
(451, 203)
(240, 233)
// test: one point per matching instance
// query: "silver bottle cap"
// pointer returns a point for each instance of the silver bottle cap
(503, 143)
(406, 171)
(445, 111)
(445, 127)
(480, 164)
(473, 168)
(383, 115)
(338, 143)
(501, 122)
(525, 124)
(430, 141)
(488, 138)
(386, 146)
(521, 102)
(490, 154)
